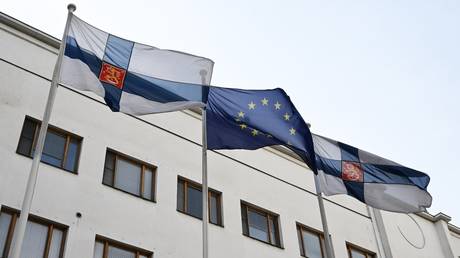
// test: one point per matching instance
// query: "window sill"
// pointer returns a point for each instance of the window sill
(261, 241)
(198, 218)
(49, 164)
(126, 192)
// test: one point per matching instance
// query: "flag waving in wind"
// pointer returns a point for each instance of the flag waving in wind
(133, 78)
(378, 182)
(251, 119)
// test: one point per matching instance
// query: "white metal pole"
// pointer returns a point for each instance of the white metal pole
(380, 232)
(205, 187)
(327, 236)
(20, 228)
(204, 175)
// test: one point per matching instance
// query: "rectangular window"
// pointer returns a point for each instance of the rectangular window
(260, 224)
(61, 149)
(129, 175)
(189, 201)
(311, 242)
(355, 251)
(42, 239)
(106, 248)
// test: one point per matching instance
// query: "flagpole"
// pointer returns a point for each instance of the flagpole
(19, 231)
(380, 232)
(327, 236)
(204, 175)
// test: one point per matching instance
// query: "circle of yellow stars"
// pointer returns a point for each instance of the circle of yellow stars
(263, 102)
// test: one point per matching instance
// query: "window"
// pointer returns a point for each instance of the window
(106, 248)
(260, 224)
(42, 238)
(190, 201)
(129, 175)
(61, 149)
(358, 252)
(311, 242)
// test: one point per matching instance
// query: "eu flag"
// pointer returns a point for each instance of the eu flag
(251, 119)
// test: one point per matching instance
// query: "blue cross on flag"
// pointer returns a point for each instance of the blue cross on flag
(131, 77)
(378, 182)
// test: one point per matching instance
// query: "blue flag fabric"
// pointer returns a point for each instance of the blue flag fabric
(251, 119)
(132, 78)
(378, 182)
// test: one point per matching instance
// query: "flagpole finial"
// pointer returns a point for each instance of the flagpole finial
(71, 7)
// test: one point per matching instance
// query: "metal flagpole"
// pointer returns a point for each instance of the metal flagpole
(204, 178)
(380, 232)
(204, 175)
(20, 228)
(327, 236)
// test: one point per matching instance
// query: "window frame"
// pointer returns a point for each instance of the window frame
(245, 207)
(51, 225)
(197, 186)
(364, 251)
(302, 227)
(127, 247)
(61, 132)
(144, 165)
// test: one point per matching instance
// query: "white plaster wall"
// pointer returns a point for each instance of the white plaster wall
(422, 237)
(158, 226)
(455, 240)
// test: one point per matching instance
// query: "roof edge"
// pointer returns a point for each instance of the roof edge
(29, 30)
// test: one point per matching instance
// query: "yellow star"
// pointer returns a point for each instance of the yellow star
(264, 102)
(277, 105)
(252, 105)
(286, 116)
(243, 126)
(241, 114)
(254, 132)
(292, 131)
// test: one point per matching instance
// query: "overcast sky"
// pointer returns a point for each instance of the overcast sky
(383, 76)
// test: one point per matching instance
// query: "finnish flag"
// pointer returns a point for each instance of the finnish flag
(133, 78)
(378, 182)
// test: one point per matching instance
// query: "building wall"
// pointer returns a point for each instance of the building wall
(265, 177)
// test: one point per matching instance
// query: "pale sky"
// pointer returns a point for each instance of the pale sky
(383, 76)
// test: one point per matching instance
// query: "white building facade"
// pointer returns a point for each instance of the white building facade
(114, 185)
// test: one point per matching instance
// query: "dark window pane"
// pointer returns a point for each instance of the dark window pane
(273, 230)
(109, 168)
(148, 181)
(128, 176)
(213, 209)
(115, 252)
(194, 202)
(25, 145)
(312, 244)
(244, 218)
(27, 138)
(180, 196)
(53, 151)
(108, 177)
(357, 254)
(258, 225)
(29, 129)
(5, 220)
(110, 161)
(72, 155)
